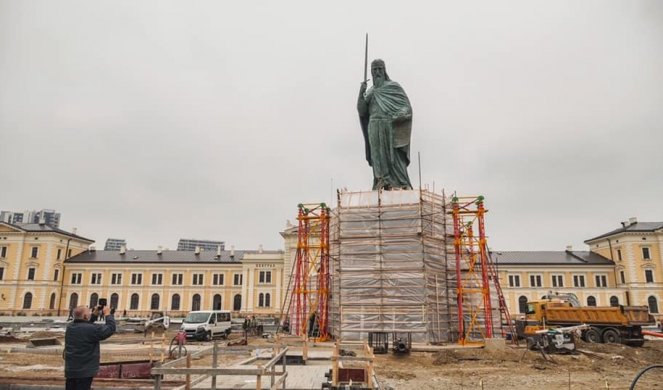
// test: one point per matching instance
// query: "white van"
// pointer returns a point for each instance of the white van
(207, 324)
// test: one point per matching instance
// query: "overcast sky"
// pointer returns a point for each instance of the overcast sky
(154, 121)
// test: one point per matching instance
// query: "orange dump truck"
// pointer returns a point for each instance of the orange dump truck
(620, 324)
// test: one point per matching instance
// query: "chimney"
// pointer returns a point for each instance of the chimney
(197, 251)
(632, 221)
(260, 248)
(123, 249)
(159, 250)
(232, 252)
(42, 219)
(218, 252)
(92, 248)
(74, 231)
(569, 248)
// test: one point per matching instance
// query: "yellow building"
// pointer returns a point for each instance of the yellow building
(636, 249)
(532, 275)
(139, 281)
(32, 260)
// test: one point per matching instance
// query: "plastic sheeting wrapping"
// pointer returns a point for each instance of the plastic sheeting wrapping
(389, 266)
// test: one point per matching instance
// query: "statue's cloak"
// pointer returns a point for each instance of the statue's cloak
(392, 102)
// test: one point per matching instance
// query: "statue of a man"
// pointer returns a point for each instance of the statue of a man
(386, 121)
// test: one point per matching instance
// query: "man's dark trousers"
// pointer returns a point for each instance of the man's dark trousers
(79, 383)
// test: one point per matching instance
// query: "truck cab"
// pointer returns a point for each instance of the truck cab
(207, 324)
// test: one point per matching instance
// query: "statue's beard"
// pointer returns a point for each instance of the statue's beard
(378, 81)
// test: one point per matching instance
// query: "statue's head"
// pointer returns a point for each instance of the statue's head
(379, 72)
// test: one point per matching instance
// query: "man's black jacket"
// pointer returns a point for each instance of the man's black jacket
(81, 347)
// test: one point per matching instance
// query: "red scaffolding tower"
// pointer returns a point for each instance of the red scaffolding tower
(310, 292)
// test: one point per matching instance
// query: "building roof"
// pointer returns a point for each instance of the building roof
(37, 228)
(166, 256)
(632, 228)
(570, 258)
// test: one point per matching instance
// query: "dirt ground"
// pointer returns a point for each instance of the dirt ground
(597, 366)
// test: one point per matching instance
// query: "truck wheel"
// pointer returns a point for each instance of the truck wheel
(593, 336)
(611, 336)
(208, 336)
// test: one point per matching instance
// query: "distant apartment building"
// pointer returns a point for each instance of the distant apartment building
(44, 217)
(114, 244)
(186, 244)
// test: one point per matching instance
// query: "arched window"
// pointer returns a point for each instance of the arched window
(134, 302)
(216, 305)
(614, 301)
(522, 304)
(175, 302)
(73, 300)
(237, 303)
(154, 304)
(267, 300)
(94, 299)
(115, 299)
(27, 300)
(195, 302)
(653, 304)
(51, 305)
(591, 301)
(261, 300)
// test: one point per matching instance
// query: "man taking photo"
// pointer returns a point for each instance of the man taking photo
(81, 349)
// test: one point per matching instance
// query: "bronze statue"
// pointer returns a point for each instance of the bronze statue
(386, 121)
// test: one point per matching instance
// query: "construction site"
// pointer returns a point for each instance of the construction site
(388, 290)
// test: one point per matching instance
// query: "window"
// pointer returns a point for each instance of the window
(522, 304)
(265, 277)
(218, 279)
(116, 278)
(136, 279)
(134, 302)
(237, 302)
(95, 278)
(614, 301)
(601, 280)
(51, 304)
(114, 300)
(653, 304)
(619, 254)
(237, 280)
(578, 280)
(76, 278)
(94, 300)
(558, 280)
(59, 256)
(157, 279)
(35, 252)
(514, 280)
(69, 253)
(3, 252)
(622, 277)
(177, 279)
(56, 275)
(535, 280)
(31, 274)
(73, 300)
(216, 305)
(645, 253)
(195, 302)
(261, 300)
(197, 279)
(649, 276)
(27, 300)
(2, 273)
(267, 300)
(591, 301)
(175, 302)
(154, 303)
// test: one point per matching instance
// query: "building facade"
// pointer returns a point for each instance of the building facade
(137, 282)
(32, 265)
(44, 216)
(115, 244)
(190, 244)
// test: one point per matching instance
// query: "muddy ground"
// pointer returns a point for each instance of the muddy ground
(596, 366)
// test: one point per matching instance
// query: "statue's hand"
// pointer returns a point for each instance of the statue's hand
(362, 88)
